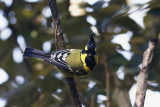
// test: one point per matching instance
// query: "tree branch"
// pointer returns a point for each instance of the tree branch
(57, 25)
(61, 45)
(143, 75)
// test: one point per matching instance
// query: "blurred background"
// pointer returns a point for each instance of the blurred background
(122, 28)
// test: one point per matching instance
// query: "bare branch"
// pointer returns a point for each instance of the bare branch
(57, 24)
(143, 75)
(61, 45)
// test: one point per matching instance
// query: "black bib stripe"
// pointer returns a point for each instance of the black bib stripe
(90, 62)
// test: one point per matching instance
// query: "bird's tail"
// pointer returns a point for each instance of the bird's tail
(30, 52)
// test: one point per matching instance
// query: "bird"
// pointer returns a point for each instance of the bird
(70, 62)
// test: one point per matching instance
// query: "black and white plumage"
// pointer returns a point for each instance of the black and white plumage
(58, 59)
(71, 62)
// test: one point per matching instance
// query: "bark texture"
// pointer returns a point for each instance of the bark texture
(143, 75)
(60, 44)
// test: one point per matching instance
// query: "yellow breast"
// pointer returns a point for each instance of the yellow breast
(73, 60)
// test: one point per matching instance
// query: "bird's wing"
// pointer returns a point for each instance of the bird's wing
(58, 59)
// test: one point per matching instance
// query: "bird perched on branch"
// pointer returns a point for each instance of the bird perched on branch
(70, 62)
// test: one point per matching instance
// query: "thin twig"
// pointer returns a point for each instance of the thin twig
(61, 45)
(143, 75)
(84, 102)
